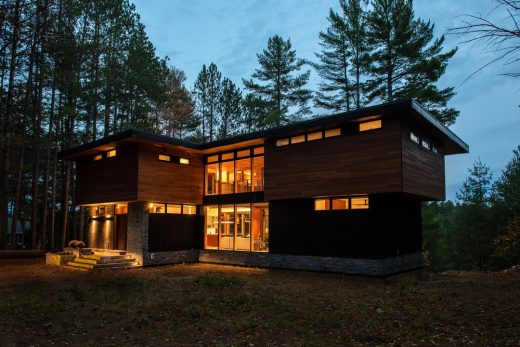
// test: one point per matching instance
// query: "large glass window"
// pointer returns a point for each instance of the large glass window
(212, 178)
(227, 227)
(258, 174)
(241, 227)
(260, 227)
(243, 239)
(211, 227)
(227, 177)
(243, 175)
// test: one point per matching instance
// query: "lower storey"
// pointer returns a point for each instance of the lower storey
(324, 234)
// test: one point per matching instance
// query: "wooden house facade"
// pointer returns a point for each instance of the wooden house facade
(340, 193)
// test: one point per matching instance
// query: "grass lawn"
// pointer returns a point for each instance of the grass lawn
(212, 305)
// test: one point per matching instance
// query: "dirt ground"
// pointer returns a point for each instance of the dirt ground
(212, 305)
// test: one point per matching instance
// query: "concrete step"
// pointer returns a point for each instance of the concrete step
(127, 265)
(75, 268)
(81, 265)
(85, 261)
(99, 257)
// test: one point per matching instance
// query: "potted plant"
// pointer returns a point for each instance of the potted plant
(79, 245)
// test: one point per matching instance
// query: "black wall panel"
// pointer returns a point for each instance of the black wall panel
(173, 232)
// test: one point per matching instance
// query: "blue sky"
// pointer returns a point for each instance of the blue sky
(231, 32)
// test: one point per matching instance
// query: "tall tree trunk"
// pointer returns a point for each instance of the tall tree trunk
(6, 164)
(45, 196)
(18, 193)
(65, 205)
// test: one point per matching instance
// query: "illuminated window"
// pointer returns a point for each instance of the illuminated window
(227, 227)
(375, 124)
(156, 208)
(258, 174)
(282, 142)
(425, 144)
(228, 156)
(211, 226)
(414, 137)
(111, 154)
(212, 179)
(297, 139)
(258, 150)
(314, 136)
(189, 209)
(94, 210)
(340, 204)
(243, 176)
(173, 209)
(121, 209)
(245, 153)
(212, 159)
(164, 157)
(243, 228)
(434, 149)
(227, 177)
(322, 204)
(332, 132)
(359, 202)
(98, 157)
(184, 161)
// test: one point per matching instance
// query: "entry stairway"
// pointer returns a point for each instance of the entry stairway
(103, 260)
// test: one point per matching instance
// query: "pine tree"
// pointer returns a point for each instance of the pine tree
(208, 90)
(283, 88)
(344, 58)
(177, 112)
(255, 112)
(475, 232)
(229, 109)
(404, 61)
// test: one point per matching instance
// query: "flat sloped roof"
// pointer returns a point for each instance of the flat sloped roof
(452, 142)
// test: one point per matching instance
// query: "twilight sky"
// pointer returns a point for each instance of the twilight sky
(231, 32)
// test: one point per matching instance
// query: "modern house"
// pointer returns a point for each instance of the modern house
(340, 193)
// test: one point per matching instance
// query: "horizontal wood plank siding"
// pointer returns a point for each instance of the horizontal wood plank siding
(368, 162)
(169, 182)
(423, 171)
(109, 179)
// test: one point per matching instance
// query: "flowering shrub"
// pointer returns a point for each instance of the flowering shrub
(77, 244)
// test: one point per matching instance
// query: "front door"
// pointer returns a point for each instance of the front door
(120, 232)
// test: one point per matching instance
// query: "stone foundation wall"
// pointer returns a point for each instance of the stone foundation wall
(370, 267)
(158, 258)
(137, 230)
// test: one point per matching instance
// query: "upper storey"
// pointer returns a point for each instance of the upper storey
(395, 147)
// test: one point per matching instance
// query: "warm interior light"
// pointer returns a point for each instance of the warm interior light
(164, 157)
(332, 132)
(298, 139)
(322, 204)
(359, 202)
(375, 124)
(227, 156)
(98, 157)
(112, 153)
(282, 142)
(212, 159)
(189, 209)
(258, 150)
(244, 153)
(314, 136)
(184, 161)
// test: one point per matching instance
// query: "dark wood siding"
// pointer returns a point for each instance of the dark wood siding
(169, 182)
(368, 162)
(173, 232)
(108, 180)
(423, 171)
(391, 226)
